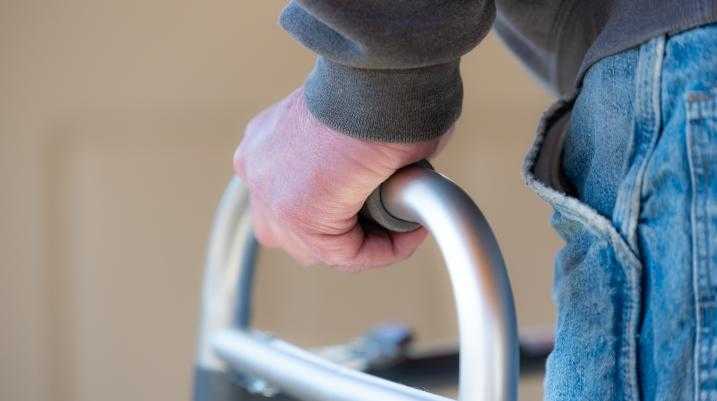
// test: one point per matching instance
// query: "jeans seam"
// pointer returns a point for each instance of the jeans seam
(695, 259)
(632, 320)
(656, 113)
(646, 131)
(647, 120)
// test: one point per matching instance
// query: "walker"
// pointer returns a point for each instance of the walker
(236, 363)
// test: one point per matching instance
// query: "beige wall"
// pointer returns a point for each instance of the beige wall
(117, 124)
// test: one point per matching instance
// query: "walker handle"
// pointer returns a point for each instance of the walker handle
(375, 210)
(483, 298)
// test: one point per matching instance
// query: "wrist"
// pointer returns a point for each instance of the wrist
(397, 106)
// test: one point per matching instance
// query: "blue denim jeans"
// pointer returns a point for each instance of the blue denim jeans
(629, 165)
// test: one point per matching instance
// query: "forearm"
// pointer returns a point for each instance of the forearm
(387, 70)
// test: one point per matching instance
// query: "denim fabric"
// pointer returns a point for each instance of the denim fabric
(636, 284)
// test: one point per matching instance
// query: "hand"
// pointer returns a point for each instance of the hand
(307, 183)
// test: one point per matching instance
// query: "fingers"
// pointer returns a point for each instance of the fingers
(357, 250)
(298, 249)
(361, 249)
(385, 248)
(269, 235)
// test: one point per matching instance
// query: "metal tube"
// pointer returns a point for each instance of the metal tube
(226, 292)
(486, 316)
(223, 272)
(489, 357)
(306, 376)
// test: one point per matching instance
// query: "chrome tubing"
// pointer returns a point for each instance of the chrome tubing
(489, 359)
(226, 292)
(306, 376)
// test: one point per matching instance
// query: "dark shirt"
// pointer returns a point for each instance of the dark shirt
(388, 70)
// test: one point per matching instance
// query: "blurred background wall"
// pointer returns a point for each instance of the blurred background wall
(118, 120)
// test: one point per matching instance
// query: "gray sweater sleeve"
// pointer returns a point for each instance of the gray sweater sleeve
(387, 70)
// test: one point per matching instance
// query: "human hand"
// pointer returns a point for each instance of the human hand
(307, 183)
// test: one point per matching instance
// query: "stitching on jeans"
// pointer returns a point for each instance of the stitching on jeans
(652, 124)
(656, 113)
(698, 351)
(700, 105)
(630, 322)
(647, 122)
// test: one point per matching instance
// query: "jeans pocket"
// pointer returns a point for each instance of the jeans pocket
(702, 147)
(701, 108)
(596, 292)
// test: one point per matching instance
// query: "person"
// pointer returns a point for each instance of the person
(627, 158)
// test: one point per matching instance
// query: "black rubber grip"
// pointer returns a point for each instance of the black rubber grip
(375, 211)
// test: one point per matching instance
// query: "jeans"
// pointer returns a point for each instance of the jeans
(629, 166)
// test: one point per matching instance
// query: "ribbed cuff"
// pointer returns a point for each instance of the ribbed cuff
(410, 105)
